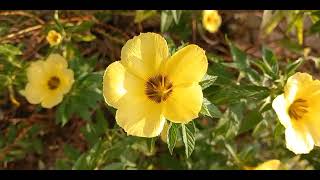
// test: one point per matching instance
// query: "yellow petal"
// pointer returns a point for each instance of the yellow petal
(184, 103)
(269, 165)
(280, 107)
(67, 79)
(55, 61)
(51, 99)
(36, 72)
(117, 81)
(298, 140)
(188, 65)
(139, 116)
(211, 20)
(311, 119)
(144, 54)
(298, 85)
(34, 93)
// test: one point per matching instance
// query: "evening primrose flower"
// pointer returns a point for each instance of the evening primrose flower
(48, 81)
(54, 38)
(211, 20)
(298, 111)
(147, 86)
(273, 164)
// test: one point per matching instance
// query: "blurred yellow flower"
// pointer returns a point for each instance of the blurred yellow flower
(48, 81)
(211, 20)
(147, 86)
(268, 165)
(54, 38)
(298, 111)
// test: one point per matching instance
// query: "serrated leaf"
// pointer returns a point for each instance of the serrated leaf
(292, 67)
(166, 20)
(270, 60)
(9, 50)
(188, 136)
(176, 15)
(207, 81)
(210, 109)
(172, 136)
(250, 121)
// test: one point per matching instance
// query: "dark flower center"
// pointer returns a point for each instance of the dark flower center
(53, 82)
(298, 108)
(158, 88)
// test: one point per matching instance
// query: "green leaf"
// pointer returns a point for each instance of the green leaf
(166, 20)
(299, 27)
(188, 136)
(315, 28)
(278, 130)
(292, 45)
(207, 81)
(9, 50)
(83, 37)
(239, 57)
(61, 114)
(81, 28)
(271, 19)
(250, 121)
(210, 109)
(293, 66)
(71, 152)
(176, 15)
(172, 136)
(142, 15)
(270, 60)
(151, 143)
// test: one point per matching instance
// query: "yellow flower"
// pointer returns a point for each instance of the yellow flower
(211, 20)
(298, 111)
(147, 86)
(48, 81)
(268, 165)
(54, 38)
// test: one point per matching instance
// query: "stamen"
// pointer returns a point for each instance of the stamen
(158, 88)
(298, 109)
(53, 82)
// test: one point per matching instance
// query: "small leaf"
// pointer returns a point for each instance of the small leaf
(210, 109)
(188, 137)
(176, 15)
(9, 50)
(315, 28)
(166, 21)
(207, 81)
(250, 121)
(292, 67)
(172, 136)
(142, 15)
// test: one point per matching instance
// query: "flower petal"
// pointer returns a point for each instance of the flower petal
(184, 103)
(298, 85)
(188, 65)
(51, 99)
(298, 140)
(36, 72)
(34, 93)
(144, 54)
(56, 61)
(280, 107)
(67, 79)
(139, 116)
(117, 81)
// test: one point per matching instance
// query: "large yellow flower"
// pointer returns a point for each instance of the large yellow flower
(298, 110)
(147, 86)
(48, 81)
(211, 20)
(54, 38)
(273, 164)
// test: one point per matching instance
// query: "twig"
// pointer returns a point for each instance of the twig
(21, 13)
